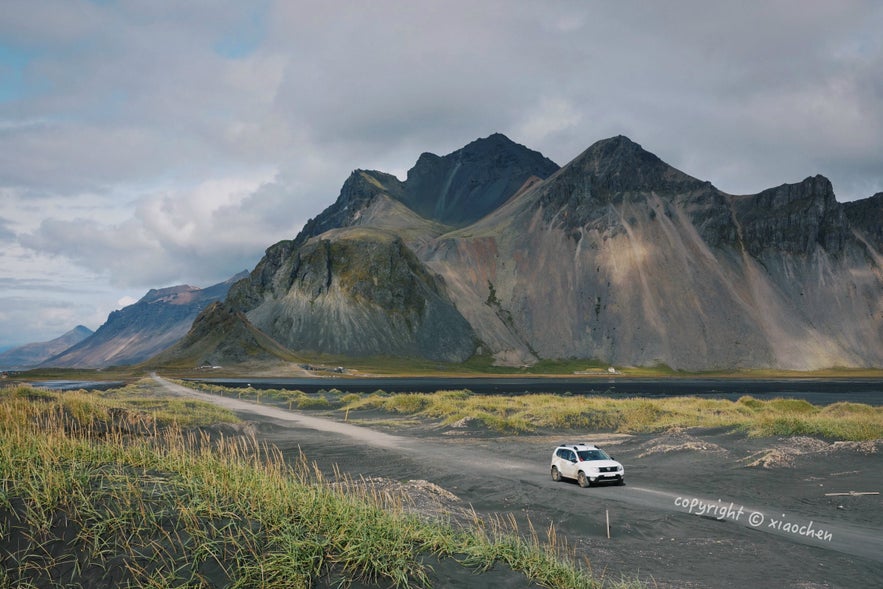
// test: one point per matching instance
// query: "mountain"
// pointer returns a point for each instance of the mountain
(463, 186)
(219, 335)
(30, 355)
(623, 258)
(141, 330)
(350, 282)
(356, 291)
(616, 256)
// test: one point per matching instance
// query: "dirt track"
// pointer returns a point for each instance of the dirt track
(693, 513)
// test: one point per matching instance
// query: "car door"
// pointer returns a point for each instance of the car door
(568, 463)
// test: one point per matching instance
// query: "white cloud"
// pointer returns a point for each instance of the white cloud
(126, 301)
(178, 235)
(162, 142)
(550, 117)
(43, 296)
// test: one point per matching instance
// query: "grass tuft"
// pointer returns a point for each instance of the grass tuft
(533, 412)
(96, 490)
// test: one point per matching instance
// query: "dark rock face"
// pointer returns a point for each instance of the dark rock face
(619, 166)
(30, 355)
(219, 318)
(356, 195)
(866, 216)
(793, 218)
(361, 293)
(222, 335)
(609, 173)
(464, 186)
(137, 332)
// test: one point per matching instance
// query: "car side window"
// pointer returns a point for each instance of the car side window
(566, 454)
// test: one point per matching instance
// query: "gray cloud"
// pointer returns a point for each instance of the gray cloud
(149, 143)
(6, 233)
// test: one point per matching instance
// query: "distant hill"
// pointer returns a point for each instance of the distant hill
(615, 257)
(138, 331)
(30, 355)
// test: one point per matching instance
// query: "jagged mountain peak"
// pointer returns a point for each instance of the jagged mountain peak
(608, 173)
(619, 165)
(494, 145)
(814, 188)
(495, 142)
(362, 183)
(454, 189)
(467, 184)
(356, 195)
(796, 218)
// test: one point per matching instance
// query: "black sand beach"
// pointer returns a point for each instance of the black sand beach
(703, 508)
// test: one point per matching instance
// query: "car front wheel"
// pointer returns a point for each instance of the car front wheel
(556, 476)
(583, 480)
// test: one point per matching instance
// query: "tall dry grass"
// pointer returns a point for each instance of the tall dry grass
(92, 493)
(530, 412)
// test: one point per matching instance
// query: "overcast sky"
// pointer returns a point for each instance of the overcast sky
(147, 143)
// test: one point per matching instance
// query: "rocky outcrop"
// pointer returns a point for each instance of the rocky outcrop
(866, 217)
(221, 335)
(357, 292)
(356, 195)
(793, 218)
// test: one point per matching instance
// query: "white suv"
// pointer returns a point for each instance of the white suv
(587, 464)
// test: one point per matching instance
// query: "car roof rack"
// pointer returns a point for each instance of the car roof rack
(575, 444)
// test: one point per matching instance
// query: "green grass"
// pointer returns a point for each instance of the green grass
(106, 489)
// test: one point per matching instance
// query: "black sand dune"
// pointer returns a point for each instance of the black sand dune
(700, 508)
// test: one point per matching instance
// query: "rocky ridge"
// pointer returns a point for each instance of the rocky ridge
(616, 257)
(138, 331)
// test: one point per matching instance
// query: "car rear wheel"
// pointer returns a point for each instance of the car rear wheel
(583, 480)
(556, 476)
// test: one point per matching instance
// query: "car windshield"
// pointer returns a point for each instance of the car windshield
(593, 455)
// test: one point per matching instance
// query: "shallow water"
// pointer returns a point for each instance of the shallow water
(75, 385)
(816, 391)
